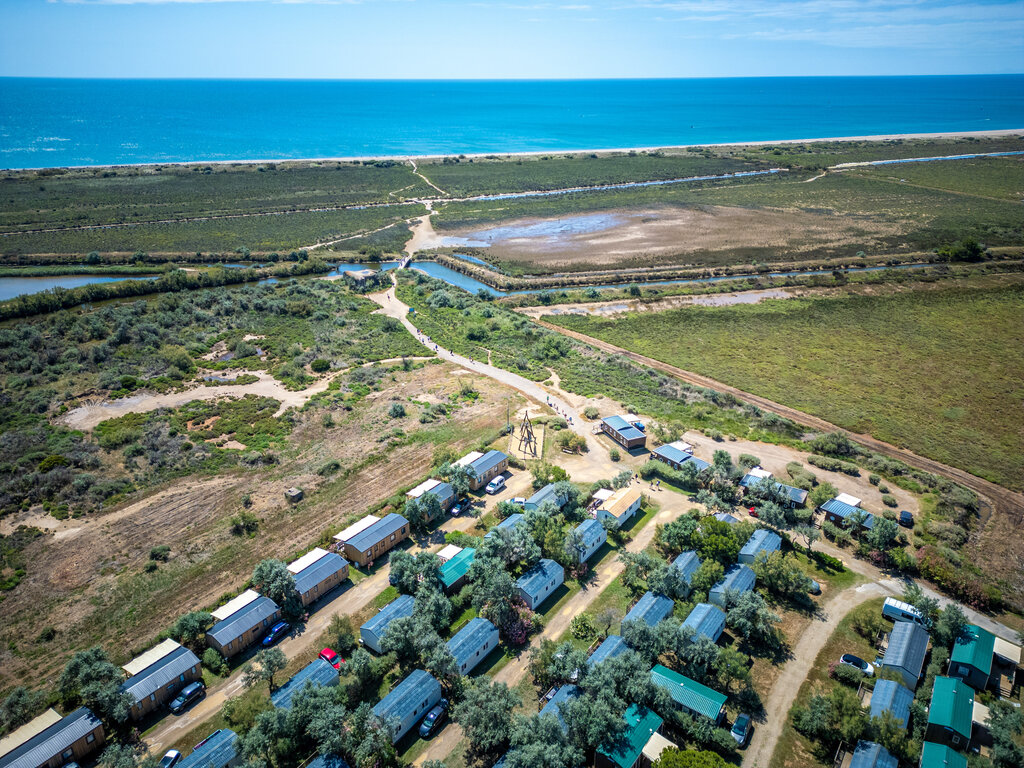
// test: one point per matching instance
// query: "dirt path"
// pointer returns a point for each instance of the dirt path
(784, 692)
(621, 306)
(88, 416)
(428, 181)
(1004, 500)
(392, 307)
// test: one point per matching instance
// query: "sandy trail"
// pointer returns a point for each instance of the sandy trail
(784, 692)
(620, 306)
(88, 416)
(425, 179)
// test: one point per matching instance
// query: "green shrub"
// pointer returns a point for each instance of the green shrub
(874, 479)
(590, 412)
(889, 500)
(329, 468)
(833, 465)
(614, 454)
(214, 662)
(396, 411)
(320, 365)
(163, 553)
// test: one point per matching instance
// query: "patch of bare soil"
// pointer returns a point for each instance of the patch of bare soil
(688, 230)
(87, 580)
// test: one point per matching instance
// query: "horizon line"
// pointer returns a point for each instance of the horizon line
(492, 79)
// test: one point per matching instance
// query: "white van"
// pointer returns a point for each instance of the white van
(897, 610)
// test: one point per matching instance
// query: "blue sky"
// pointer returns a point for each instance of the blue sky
(479, 39)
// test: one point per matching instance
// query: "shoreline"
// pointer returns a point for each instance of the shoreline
(537, 153)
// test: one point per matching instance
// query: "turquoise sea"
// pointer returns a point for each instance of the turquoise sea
(49, 122)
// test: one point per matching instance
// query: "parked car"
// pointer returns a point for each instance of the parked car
(753, 512)
(169, 759)
(815, 588)
(433, 719)
(495, 485)
(856, 661)
(520, 500)
(189, 695)
(906, 519)
(741, 729)
(331, 658)
(276, 632)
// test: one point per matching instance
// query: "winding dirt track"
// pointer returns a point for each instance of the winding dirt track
(1002, 500)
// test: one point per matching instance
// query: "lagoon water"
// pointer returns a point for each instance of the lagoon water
(56, 122)
(12, 287)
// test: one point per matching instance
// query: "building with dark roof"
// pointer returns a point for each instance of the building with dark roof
(868, 754)
(50, 741)
(625, 433)
(687, 564)
(908, 645)
(889, 696)
(706, 620)
(547, 493)
(739, 579)
(316, 573)
(454, 570)
(562, 696)
(611, 646)
(473, 643)
(651, 608)
(157, 675)
(440, 490)
(486, 468)
(760, 541)
(839, 513)
(409, 701)
(509, 522)
(592, 538)
(327, 761)
(218, 750)
(243, 626)
(690, 695)
(372, 632)
(950, 713)
(375, 541)
(627, 750)
(677, 454)
(538, 583)
(317, 674)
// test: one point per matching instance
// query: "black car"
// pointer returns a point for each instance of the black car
(190, 694)
(433, 719)
(906, 519)
(276, 632)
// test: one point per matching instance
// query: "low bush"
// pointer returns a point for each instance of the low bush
(833, 465)
(889, 500)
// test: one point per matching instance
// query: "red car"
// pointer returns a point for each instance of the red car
(753, 512)
(331, 658)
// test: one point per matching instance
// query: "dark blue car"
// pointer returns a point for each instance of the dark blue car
(276, 632)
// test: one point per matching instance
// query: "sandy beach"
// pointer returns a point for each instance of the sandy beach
(538, 153)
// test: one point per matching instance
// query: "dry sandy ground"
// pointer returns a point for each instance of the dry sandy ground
(622, 306)
(685, 230)
(81, 577)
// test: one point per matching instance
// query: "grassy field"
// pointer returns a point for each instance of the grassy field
(936, 371)
(258, 233)
(481, 176)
